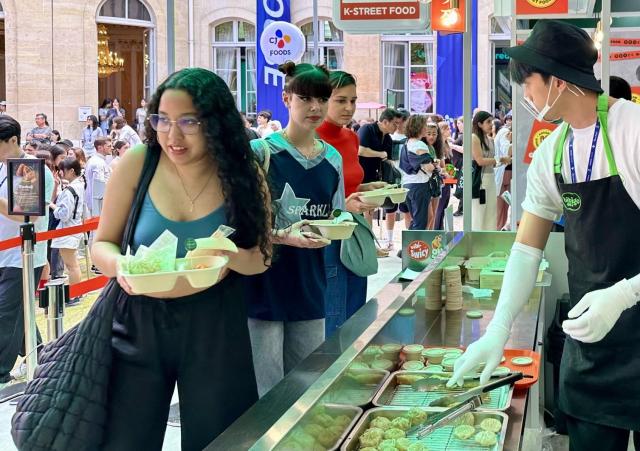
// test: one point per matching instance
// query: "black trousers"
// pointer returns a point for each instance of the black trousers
(585, 436)
(12, 318)
(418, 199)
(200, 342)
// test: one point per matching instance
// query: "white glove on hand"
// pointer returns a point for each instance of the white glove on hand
(487, 349)
(597, 312)
(519, 279)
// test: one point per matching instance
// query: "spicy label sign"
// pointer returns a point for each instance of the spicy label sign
(420, 247)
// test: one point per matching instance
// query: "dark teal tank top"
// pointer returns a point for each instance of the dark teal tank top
(151, 224)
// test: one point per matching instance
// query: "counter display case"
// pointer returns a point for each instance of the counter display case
(397, 315)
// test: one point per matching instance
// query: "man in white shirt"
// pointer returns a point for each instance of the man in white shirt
(11, 299)
(589, 170)
(97, 174)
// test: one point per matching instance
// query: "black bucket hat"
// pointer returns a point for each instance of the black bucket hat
(562, 50)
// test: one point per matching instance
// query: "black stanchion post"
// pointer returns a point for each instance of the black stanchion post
(57, 292)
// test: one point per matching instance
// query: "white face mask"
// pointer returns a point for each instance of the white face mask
(540, 114)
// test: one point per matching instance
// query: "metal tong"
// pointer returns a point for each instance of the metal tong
(446, 417)
(431, 382)
(462, 403)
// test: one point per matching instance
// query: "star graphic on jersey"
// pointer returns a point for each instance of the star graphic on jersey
(290, 206)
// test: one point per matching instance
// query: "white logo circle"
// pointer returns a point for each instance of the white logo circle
(281, 42)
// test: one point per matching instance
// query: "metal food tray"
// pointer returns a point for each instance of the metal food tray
(345, 392)
(441, 439)
(333, 410)
(393, 394)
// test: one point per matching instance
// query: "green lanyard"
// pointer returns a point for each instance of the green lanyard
(603, 106)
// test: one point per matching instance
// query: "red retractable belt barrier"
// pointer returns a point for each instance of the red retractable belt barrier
(77, 289)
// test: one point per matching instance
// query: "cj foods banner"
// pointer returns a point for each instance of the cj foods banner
(279, 41)
(542, 6)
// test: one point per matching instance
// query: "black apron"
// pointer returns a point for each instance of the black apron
(600, 382)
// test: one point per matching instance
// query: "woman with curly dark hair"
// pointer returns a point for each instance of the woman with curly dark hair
(204, 175)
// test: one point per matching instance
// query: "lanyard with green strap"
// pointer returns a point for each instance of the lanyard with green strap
(602, 108)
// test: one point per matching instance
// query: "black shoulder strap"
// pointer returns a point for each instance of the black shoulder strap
(148, 170)
(76, 199)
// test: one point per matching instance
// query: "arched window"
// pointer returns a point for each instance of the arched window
(330, 44)
(234, 60)
(408, 75)
(125, 9)
(134, 13)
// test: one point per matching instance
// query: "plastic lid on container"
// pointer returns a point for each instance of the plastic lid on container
(382, 364)
(474, 314)
(434, 352)
(391, 347)
(522, 361)
(406, 312)
(451, 355)
(412, 349)
(501, 371)
(449, 362)
(412, 365)
(434, 369)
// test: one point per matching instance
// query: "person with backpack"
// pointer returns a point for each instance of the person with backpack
(416, 165)
(68, 210)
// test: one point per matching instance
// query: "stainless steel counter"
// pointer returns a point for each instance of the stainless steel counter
(379, 321)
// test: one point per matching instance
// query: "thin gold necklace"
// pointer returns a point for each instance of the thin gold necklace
(192, 199)
(317, 146)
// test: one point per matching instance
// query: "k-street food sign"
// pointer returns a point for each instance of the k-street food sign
(376, 16)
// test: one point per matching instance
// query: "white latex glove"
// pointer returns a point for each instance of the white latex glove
(518, 283)
(487, 349)
(597, 312)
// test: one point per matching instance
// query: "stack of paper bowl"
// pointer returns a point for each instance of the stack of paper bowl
(453, 283)
(433, 287)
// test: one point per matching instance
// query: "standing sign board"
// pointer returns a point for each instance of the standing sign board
(375, 16)
(269, 80)
(25, 182)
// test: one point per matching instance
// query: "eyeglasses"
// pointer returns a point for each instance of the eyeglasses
(162, 124)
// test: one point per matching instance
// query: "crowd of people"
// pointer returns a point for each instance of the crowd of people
(288, 288)
(321, 162)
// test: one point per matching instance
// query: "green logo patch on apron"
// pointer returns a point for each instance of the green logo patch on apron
(571, 201)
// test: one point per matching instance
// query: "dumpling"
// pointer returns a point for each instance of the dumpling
(394, 433)
(388, 443)
(323, 420)
(381, 422)
(416, 415)
(491, 425)
(417, 447)
(313, 430)
(371, 437)
(467, 419)
(307, 441)
(342, 421)
(486, 438)
(401, 423)
(403, 443)
(464, 432)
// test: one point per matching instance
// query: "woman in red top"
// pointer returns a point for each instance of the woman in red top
(346, 292)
